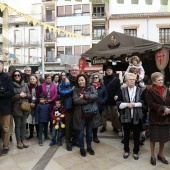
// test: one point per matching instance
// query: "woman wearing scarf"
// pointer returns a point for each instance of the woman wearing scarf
(158, 100)
(97, 82)
(130, 106)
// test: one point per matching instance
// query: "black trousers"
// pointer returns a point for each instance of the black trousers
(71, 134)
(31, 127)
(136, 135)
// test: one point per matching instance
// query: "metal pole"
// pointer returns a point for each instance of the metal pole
(42, 52)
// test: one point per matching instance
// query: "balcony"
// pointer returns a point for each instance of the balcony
(75, 14)
(50, 37)
(26, 43)
(99, 36)
(16, 44)
(99, 16)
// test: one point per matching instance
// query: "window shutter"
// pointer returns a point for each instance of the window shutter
(60, 10)
(148, 2)
(134, 1)
(85, 48)
(68, 9)
(77, 50)
(86, 8)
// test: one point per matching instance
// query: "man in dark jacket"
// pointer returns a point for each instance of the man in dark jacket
(6, 92)
(71, 135)
(112, 85)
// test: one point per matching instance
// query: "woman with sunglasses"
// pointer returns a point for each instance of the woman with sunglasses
(97, 82)
(21, 94)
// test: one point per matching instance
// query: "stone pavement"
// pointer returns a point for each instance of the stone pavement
(108, 156)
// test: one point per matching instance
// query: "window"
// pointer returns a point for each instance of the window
(32, 58)
(148, 2)
(50, 15)
(86, 29)
(17, 37)
(20, 58)
(60, 50)
(164, 2)
(1, 30)
(85, 9)
(61, 34)
(98, 11)
(68, 28)
(60, 11)
(98, 32)
(131, 32)
(68, 10)
(134, 1)
(68, 50)
(77, 50)
(77, 10)
(50, 53)
(33, 36)
(164, 35)
(77, 29)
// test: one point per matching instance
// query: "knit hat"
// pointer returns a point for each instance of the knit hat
(109, 67)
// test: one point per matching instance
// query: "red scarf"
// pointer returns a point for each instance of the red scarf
(160, 89)
(96, 84)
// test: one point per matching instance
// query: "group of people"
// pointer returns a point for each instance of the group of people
(69, 95)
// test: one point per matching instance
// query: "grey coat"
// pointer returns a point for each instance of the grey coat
(16, 99)
(90, 94)
(125, 114)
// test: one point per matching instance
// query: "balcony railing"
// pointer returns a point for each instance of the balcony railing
(26, 43)
(99, 36)
(98, 15)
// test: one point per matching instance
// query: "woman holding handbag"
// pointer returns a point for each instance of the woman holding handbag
(22, 94)
(97, 82)
(35, 89)
(83, 94)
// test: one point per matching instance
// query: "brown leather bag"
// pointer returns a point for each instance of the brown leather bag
(25, 106)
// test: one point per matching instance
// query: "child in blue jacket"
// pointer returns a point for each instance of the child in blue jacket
(42, 116)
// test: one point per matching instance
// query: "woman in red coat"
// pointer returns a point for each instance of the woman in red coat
(158, 100)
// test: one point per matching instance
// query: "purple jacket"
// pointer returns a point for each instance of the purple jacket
(53, 93)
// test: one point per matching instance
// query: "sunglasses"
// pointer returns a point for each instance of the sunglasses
(17, 75)
(95, 77)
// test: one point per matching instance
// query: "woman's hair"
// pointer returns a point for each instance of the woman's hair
(19, 73)
(82, 75)
(100, 78)
(156, 75)
(129, 75)
(54, 77)
(33, 75)
(47, 75)
(136, 58)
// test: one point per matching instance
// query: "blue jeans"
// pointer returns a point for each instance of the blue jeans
(85, 123)
(57, 133)
(43, 127)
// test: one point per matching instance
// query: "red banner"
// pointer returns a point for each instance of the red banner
(82, 64)
(162, 58)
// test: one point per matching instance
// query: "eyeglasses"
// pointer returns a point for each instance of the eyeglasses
(95, 77)
(63, 75)
(17, 75)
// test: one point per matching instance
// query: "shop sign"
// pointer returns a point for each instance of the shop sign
(97, 60)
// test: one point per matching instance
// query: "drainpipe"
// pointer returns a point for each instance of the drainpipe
(148, 28)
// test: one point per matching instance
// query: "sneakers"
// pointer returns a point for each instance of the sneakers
(91, 151)
(4, 152)
(40, 143)
(103, 129)
(52, 143)
(83, 152)
(59, 143)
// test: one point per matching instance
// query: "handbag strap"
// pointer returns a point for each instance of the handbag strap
(110, 82)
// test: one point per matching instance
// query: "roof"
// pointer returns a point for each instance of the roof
(116, 44)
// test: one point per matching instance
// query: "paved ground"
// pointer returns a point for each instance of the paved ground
(108, 156)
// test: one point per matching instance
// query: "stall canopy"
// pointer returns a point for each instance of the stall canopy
(117, 44)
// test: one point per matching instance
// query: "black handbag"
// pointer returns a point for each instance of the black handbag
(90, 109)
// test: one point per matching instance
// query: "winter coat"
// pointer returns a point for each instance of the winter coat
(90, 94)
(6, 94)
(42, 113)
(157, 103)
(102, 96)
(140, 69)
(65, 92)
(125, 114)
(16, 99)
(112, 85)
(53, 93)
